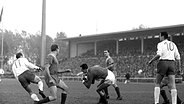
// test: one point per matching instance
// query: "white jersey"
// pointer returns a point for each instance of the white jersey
(167, 50)
(21, 65)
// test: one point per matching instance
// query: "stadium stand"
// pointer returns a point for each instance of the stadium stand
(129, 58)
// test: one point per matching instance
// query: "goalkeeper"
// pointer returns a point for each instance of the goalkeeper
(95, 73)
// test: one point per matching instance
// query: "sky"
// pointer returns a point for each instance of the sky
(88, 17)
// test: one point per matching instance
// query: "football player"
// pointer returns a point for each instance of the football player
(22, 73)
(51, 77)
(110, 66)
(96, 73)
(167, 53)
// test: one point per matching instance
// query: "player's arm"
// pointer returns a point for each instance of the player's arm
(157, 56)
(111, 64)
(64, 71)
(30, 65)
(88, 81)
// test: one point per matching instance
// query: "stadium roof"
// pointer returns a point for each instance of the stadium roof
(130, 33)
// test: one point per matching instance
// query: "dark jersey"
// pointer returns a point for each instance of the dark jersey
(95, 73)
(110, 63)
(53, 62)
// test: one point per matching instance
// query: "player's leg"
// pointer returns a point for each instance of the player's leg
(126, 81)
(173, 90)
(53, 90)
(64, 88)
(117, 91)
(164, 96)
(157, 87)
(172, 84)
(179, 101)
(162, 91)
(161, 71)
(52, 97)
(101, 93)
(39, 82)
(35, 79)
(106, 92)
(25, 84)
(33, 95)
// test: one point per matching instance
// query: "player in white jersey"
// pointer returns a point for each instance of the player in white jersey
(167, 53)
(22, 73)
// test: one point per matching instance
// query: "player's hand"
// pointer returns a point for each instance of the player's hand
(83, 81)
(39, 69)
(84, 78)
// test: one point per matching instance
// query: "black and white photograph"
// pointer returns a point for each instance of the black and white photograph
(91, 52)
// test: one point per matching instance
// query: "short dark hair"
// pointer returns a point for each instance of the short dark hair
(165, 34)
(84, 66)
(107, 51)
(54, 47)
(18, 55)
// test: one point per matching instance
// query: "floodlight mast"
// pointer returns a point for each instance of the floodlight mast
(43, 33)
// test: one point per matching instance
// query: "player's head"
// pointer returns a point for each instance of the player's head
(19, 55)
(164, 35)
(54, 47)
(84, 68)
(106, 53)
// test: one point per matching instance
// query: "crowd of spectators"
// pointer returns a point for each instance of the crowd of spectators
(129, 59)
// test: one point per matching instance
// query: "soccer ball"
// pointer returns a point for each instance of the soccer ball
(140, 71)
(1, 71)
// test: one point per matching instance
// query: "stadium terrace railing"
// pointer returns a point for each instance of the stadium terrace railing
(122, 79)
(119, 79)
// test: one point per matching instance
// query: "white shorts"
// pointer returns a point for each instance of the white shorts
(110, 77)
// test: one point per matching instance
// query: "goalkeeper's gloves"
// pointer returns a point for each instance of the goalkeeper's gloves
(83, 81)
(84, 77)
(39, 69)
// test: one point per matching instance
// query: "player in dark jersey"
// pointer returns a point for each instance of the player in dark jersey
(51, 77)
(110, 66)
(127, 76)
(96, 73)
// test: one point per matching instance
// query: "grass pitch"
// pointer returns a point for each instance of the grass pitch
(11, 92)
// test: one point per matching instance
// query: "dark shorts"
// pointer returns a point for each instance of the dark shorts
(166, 67)
(26, 78)
(55, 78)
